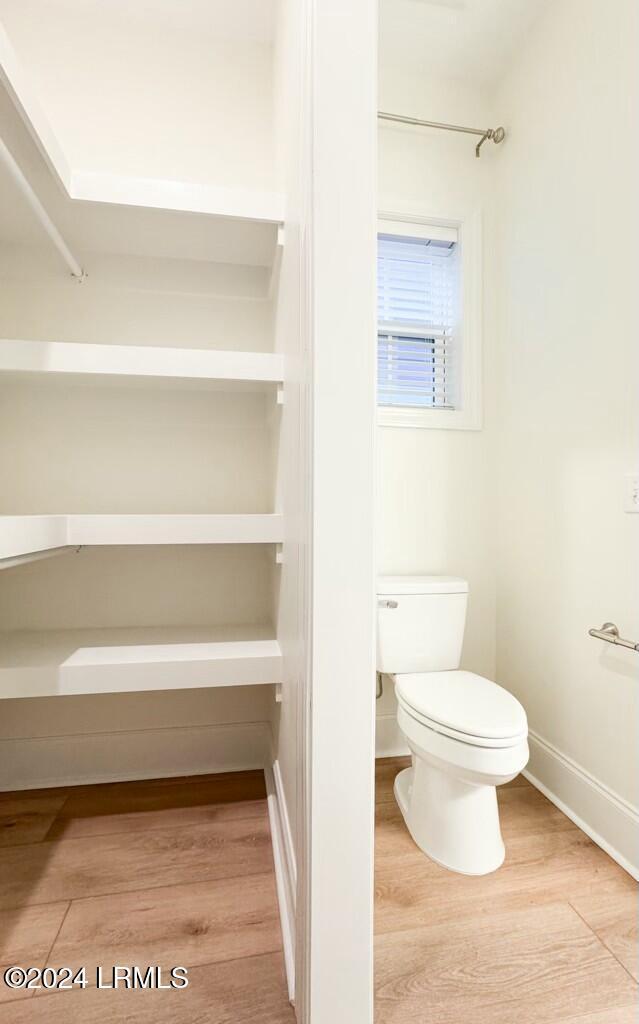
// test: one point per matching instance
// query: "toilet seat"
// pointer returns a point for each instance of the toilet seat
(464, 706)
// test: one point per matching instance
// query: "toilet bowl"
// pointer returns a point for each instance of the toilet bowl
(448, 798)
(466, 734)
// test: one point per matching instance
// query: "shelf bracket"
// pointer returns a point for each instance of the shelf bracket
(277, 260)
(279, 554)
(278, 693)
(280, 394)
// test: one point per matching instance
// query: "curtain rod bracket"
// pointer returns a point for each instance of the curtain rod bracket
(496, 134)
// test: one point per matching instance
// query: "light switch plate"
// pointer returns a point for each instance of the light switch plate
(631, 493)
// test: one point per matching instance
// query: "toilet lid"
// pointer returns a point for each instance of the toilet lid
(463, 703)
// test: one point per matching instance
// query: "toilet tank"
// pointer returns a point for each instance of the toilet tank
(420, 623)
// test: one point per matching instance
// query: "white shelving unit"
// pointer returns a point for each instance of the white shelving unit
(29, 535)
(233, 204)
(65, 662)
(140, 361)
(179, 228)
(26, 535)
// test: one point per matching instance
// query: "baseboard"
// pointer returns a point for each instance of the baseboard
(610, 821)
(389, 740)
(42, 762)
(285, 867)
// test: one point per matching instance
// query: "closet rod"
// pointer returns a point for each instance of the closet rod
(15, 171)
(496, 134)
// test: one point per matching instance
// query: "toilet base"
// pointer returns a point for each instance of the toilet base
(455, 823)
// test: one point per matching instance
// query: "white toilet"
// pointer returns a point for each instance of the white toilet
(467, 735)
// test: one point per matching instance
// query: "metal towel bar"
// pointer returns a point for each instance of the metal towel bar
(610, 633)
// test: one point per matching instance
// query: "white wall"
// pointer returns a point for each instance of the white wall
(436, 487)
(566, 216)
(133, 90)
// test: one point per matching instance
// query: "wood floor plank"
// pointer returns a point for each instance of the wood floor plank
(26, 935)
(544, 867)
(618, 1015)
(180, 815)
(187, 925)
(75, 868)
(240, 782)
(160, 872)
(27, 819)
(386, 768)
(523, 810)
(613, 917)
(30, 794)
(251, 991)
(160, 794)
(536, 966)
(506, 946)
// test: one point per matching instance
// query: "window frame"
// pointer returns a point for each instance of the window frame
(469, 415)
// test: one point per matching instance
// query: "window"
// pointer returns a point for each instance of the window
(424, 357)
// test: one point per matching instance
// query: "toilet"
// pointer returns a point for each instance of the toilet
(466, 734)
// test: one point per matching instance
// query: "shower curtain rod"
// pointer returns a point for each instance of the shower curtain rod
(496, 134)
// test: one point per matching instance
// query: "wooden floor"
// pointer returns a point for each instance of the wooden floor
(180, 872)
(171, 872)
(551, 937)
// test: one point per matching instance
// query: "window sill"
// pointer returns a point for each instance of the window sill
(429, 419)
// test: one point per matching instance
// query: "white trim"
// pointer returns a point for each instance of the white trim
(469, 416)
(610, 821)
(41, 762)
(389, 739)
(341, 741)
(287, 834)
(390, 225)
(285, 867)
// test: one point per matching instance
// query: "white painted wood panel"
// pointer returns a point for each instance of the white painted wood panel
(59, 357)
(188, 197)
(176, 529)
(63, 662)
(20, 535)
(344, 220)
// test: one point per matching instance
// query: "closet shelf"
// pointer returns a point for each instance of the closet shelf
(264, 206)
(31, 137)
(22, 535)
(140, 361)
(63, 662)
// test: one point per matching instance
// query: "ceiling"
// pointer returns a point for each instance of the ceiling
(466, 39)
(240, 19)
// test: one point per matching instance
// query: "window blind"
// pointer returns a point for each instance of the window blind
(417, 313)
